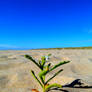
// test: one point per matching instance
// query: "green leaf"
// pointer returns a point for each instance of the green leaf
(49, 54)
(41, 74)
(30, 58)
(59, 64)
(53, 76)
(33, 74)
(51, 86)
(47, 66)
(43, 59)
(44, 72)
(43, 78)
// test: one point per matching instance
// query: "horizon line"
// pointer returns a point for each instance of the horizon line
(80, 47)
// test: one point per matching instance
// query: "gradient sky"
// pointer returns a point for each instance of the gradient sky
(45, 23)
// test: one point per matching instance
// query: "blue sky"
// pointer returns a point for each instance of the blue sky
(45, 23)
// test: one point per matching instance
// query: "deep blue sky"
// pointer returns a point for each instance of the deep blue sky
(45, 23)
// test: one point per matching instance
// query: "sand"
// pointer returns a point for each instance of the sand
(15, 69)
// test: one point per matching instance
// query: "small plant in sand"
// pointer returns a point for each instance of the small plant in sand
(44, 70)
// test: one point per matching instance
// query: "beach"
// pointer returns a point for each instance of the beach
(15, 69)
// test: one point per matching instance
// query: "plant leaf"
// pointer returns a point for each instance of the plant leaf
(41, 74)
(53, 76)
(30, 58)
(59, 64)
(43, 59)
(51, 86)
(33, 74)
(49, 54)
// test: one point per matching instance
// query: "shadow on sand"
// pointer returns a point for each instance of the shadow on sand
(73, 85)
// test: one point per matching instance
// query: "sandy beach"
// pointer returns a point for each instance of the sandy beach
(15, 69)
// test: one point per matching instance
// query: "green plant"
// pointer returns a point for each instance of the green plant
(44, 70)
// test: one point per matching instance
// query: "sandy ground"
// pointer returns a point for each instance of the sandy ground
(15, 69)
